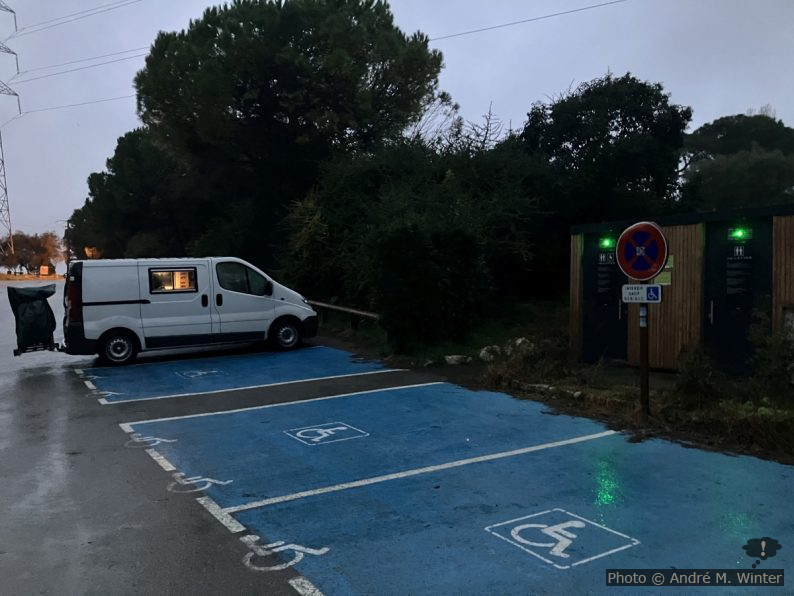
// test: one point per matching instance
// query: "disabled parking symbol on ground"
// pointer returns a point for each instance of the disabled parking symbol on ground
(329, 432)
(274, 548)
(199, 374)
(561, 538)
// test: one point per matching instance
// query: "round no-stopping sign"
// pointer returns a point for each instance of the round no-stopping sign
(642, 251)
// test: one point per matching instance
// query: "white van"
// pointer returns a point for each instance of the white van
(119, 307)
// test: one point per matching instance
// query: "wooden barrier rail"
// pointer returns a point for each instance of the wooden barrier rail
(354, 313)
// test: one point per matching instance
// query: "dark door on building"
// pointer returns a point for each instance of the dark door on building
(604, 316)
(738, 281)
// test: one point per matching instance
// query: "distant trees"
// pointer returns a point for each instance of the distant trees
(607, 150)
(415, 233)
(427, 232)
(311, 138)
(612, 144)
(33, 251)
(739, 161)
(133, 207)
(240, 110)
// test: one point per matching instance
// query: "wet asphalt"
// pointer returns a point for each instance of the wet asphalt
(85, 514)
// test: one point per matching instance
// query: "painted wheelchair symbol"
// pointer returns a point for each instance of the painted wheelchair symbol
(273, 549)
(197, 374)
(561, 537)
(315, 435)
(138, 440)
(329, 432)
(194, 484)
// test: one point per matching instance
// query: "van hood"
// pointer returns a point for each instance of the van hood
(282, 293)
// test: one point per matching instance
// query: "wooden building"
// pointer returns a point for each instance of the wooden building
(724, 268)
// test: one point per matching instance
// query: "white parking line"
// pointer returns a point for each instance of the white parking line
(215, 510)
(127, 426)
(160, 459)
(413, 472)
(105, 402)
(90, 385)
(304, 587)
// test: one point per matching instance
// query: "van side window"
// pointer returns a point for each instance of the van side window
(236, 277)
(172, 280)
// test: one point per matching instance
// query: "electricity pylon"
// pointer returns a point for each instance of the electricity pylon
(7, 246)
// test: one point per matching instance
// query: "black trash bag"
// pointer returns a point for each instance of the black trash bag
(34, 317)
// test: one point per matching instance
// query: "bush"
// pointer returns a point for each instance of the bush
(430, 285)
(699, 382)
(772, 360)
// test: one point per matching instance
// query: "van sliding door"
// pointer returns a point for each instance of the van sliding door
(178, 311)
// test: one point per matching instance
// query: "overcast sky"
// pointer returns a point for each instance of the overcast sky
(718, 56)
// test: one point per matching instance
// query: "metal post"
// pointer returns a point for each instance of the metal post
(645, 406)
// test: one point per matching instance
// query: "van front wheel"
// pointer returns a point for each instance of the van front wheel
(285, 335)
(117, 348)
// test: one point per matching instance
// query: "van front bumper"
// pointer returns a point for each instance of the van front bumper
(310, 326)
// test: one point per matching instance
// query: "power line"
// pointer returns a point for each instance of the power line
(79, 61)
(79, 18)
(74, 105)
(530, 20)
(63, 107)
(63, 72)
(74, 14)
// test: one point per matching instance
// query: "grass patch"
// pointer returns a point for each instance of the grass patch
(702, 407)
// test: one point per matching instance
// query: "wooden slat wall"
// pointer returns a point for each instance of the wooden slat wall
(676, 323)
(575, 309)
(782, 271)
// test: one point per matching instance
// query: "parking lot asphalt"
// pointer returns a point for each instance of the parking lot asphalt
(320, 472)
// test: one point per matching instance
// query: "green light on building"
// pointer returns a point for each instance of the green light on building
(740, 234)
(606, 243)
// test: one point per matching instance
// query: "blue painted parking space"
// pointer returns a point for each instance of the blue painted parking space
(468, 531)
(385, 432)
(158, 380)
(435, 489)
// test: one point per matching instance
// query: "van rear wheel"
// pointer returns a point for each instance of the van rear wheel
(118, 348)
(285, 335)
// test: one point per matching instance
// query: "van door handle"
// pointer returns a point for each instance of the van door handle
(205, 301)
(219, 299)
(711, 312)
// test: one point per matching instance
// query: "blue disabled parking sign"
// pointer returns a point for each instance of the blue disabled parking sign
(642, 293)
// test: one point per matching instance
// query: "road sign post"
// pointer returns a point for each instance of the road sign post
(645, 401)
(641, 253)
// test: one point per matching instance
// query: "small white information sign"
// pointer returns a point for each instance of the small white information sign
(642, 293)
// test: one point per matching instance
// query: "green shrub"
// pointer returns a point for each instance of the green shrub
(699, 382)
(430, 285)
(772, 360)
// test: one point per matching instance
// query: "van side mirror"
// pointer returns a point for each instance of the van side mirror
(268, 288)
